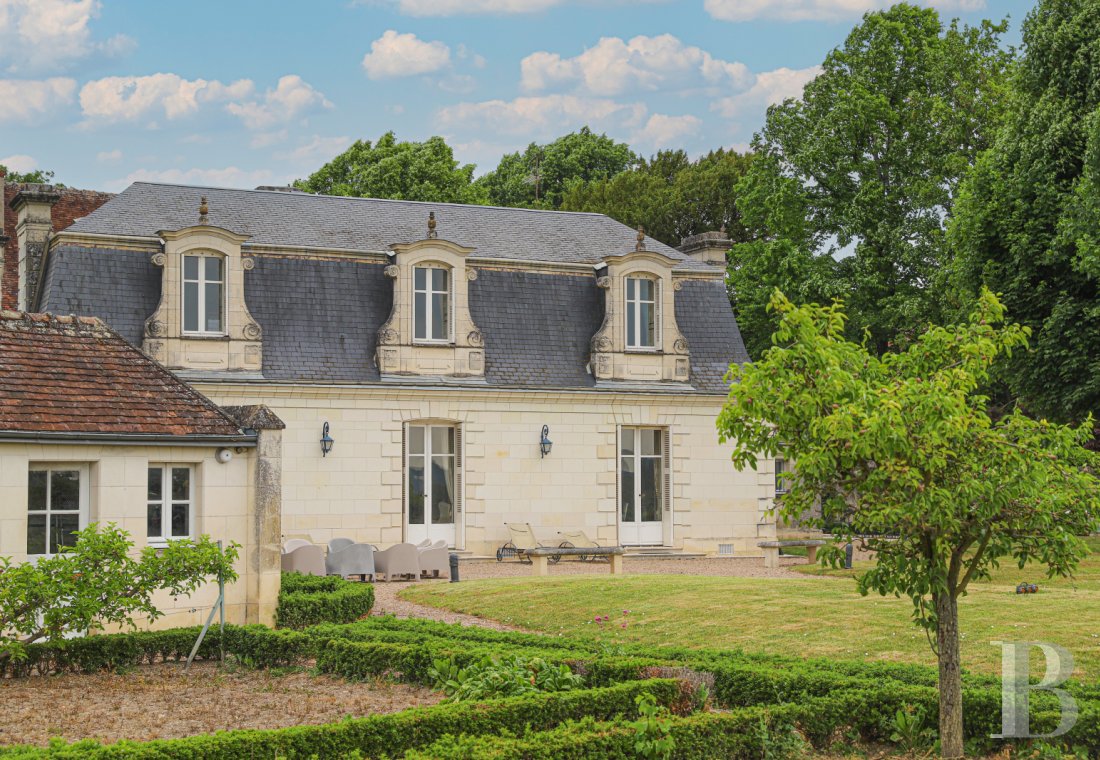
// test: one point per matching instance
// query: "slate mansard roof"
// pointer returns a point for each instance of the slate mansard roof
(74, 376)
(320, 315)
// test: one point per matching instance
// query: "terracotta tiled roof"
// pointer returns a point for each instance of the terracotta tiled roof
(75, 375)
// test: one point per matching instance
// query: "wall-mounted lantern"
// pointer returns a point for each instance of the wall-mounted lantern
(326, 441)
(545, 444)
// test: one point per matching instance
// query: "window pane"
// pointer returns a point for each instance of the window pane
(631, 329)
(213, 307)
(628, 440)
(156, 483)
(651, 441)
(443, 440)
(416, 440)
(648, 326)
(420, 278)
(416, 490)
(36, 534)
(651, 490)
(627, 487)
(421, 316)
(439, 279)
(442, 490)
(63, 531)
(154, 527)
(36, 489)
(191, 306)
(65, 489)
(645, 289)
(213, 266)
(181, 483)
(630, 283)
(180, 526)
(190, 267)
(440, 316)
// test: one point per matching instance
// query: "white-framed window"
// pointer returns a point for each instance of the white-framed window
(57, 506)
(782, 478)
(431, 304)
(204, 294)
(641, 313)
(170, 502)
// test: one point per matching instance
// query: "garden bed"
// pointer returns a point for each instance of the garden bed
(161, 701)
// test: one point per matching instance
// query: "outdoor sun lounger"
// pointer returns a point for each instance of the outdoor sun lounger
(523, 541)
(578, 539)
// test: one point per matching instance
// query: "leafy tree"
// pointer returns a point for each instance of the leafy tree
(98, 582)
(417, 171)
(38, 176)
(862, 172)
(1027, 223)
(540, 176)
(903, 444)
(670, 195)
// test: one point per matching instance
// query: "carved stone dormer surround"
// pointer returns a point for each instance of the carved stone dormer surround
(239, 346)
(611, 358)
(398, 352)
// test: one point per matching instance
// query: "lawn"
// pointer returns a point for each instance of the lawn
(814, 616)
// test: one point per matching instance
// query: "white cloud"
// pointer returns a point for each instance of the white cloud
(615, 66)
(663, 131)
(229, 176)
(539, 115)
(769, 88)
(109, 155)
(403, 55)
(113, 99)
(24, 100)
(316, 151)
(816, 10)
(267, 139)
(292, 97)
(38, 34)
(21, 163)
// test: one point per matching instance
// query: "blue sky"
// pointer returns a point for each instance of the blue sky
(239, 94)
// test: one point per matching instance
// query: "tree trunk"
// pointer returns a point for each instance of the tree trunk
(947, 642)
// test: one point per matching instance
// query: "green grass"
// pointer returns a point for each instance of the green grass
(815, 616)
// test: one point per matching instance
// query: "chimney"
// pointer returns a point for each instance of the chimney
(33, 206)
(707, 247)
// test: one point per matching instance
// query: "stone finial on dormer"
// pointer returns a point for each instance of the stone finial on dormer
(431, 225)
(640, 245)
(204, 209)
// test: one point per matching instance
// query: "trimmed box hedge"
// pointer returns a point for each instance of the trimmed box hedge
(306, 600)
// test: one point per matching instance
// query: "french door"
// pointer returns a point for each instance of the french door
(642, 481)
(430, 473)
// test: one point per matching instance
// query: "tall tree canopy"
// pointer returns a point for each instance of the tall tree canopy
(540, 176)
(418, 171)
(38, 176)
(1028, 219)
(851, 186)
(904, 444)
(670, 195)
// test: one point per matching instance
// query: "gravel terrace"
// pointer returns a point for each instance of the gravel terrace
(387, 601)
(161, 701)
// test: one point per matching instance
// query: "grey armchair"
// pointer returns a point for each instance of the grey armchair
(434, 559)
(399, 559)
(308, 559)
(337, 544)
(353, 559)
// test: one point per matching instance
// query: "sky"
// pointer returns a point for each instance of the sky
(240, 93)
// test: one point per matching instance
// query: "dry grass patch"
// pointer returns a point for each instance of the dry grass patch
(161, 702)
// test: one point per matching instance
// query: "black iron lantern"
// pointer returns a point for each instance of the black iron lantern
(545, 444)
(326, 441)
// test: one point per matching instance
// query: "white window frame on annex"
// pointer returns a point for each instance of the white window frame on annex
(429, 292)
(167, 501)
(83, 473)
(201, 283)
(633, 307)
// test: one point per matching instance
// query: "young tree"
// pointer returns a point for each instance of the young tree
(38, 176)
(904, 445)
(414, 171)
(98, 582)
(860, 174)
(1027, 223)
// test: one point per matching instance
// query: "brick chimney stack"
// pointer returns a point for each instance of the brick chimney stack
(33, 206)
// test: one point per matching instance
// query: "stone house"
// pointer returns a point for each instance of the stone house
(469, 366)
(93, 431)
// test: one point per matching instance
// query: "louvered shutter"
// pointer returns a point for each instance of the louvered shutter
(404, 480)
(666, 457)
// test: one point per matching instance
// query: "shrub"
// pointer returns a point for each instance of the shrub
(306, 600)
(494, 677)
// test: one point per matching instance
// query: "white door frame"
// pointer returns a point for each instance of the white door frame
(639, 532)
(449, 532)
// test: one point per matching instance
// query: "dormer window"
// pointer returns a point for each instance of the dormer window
(204, 295)
(432, 304)
(641, 313)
